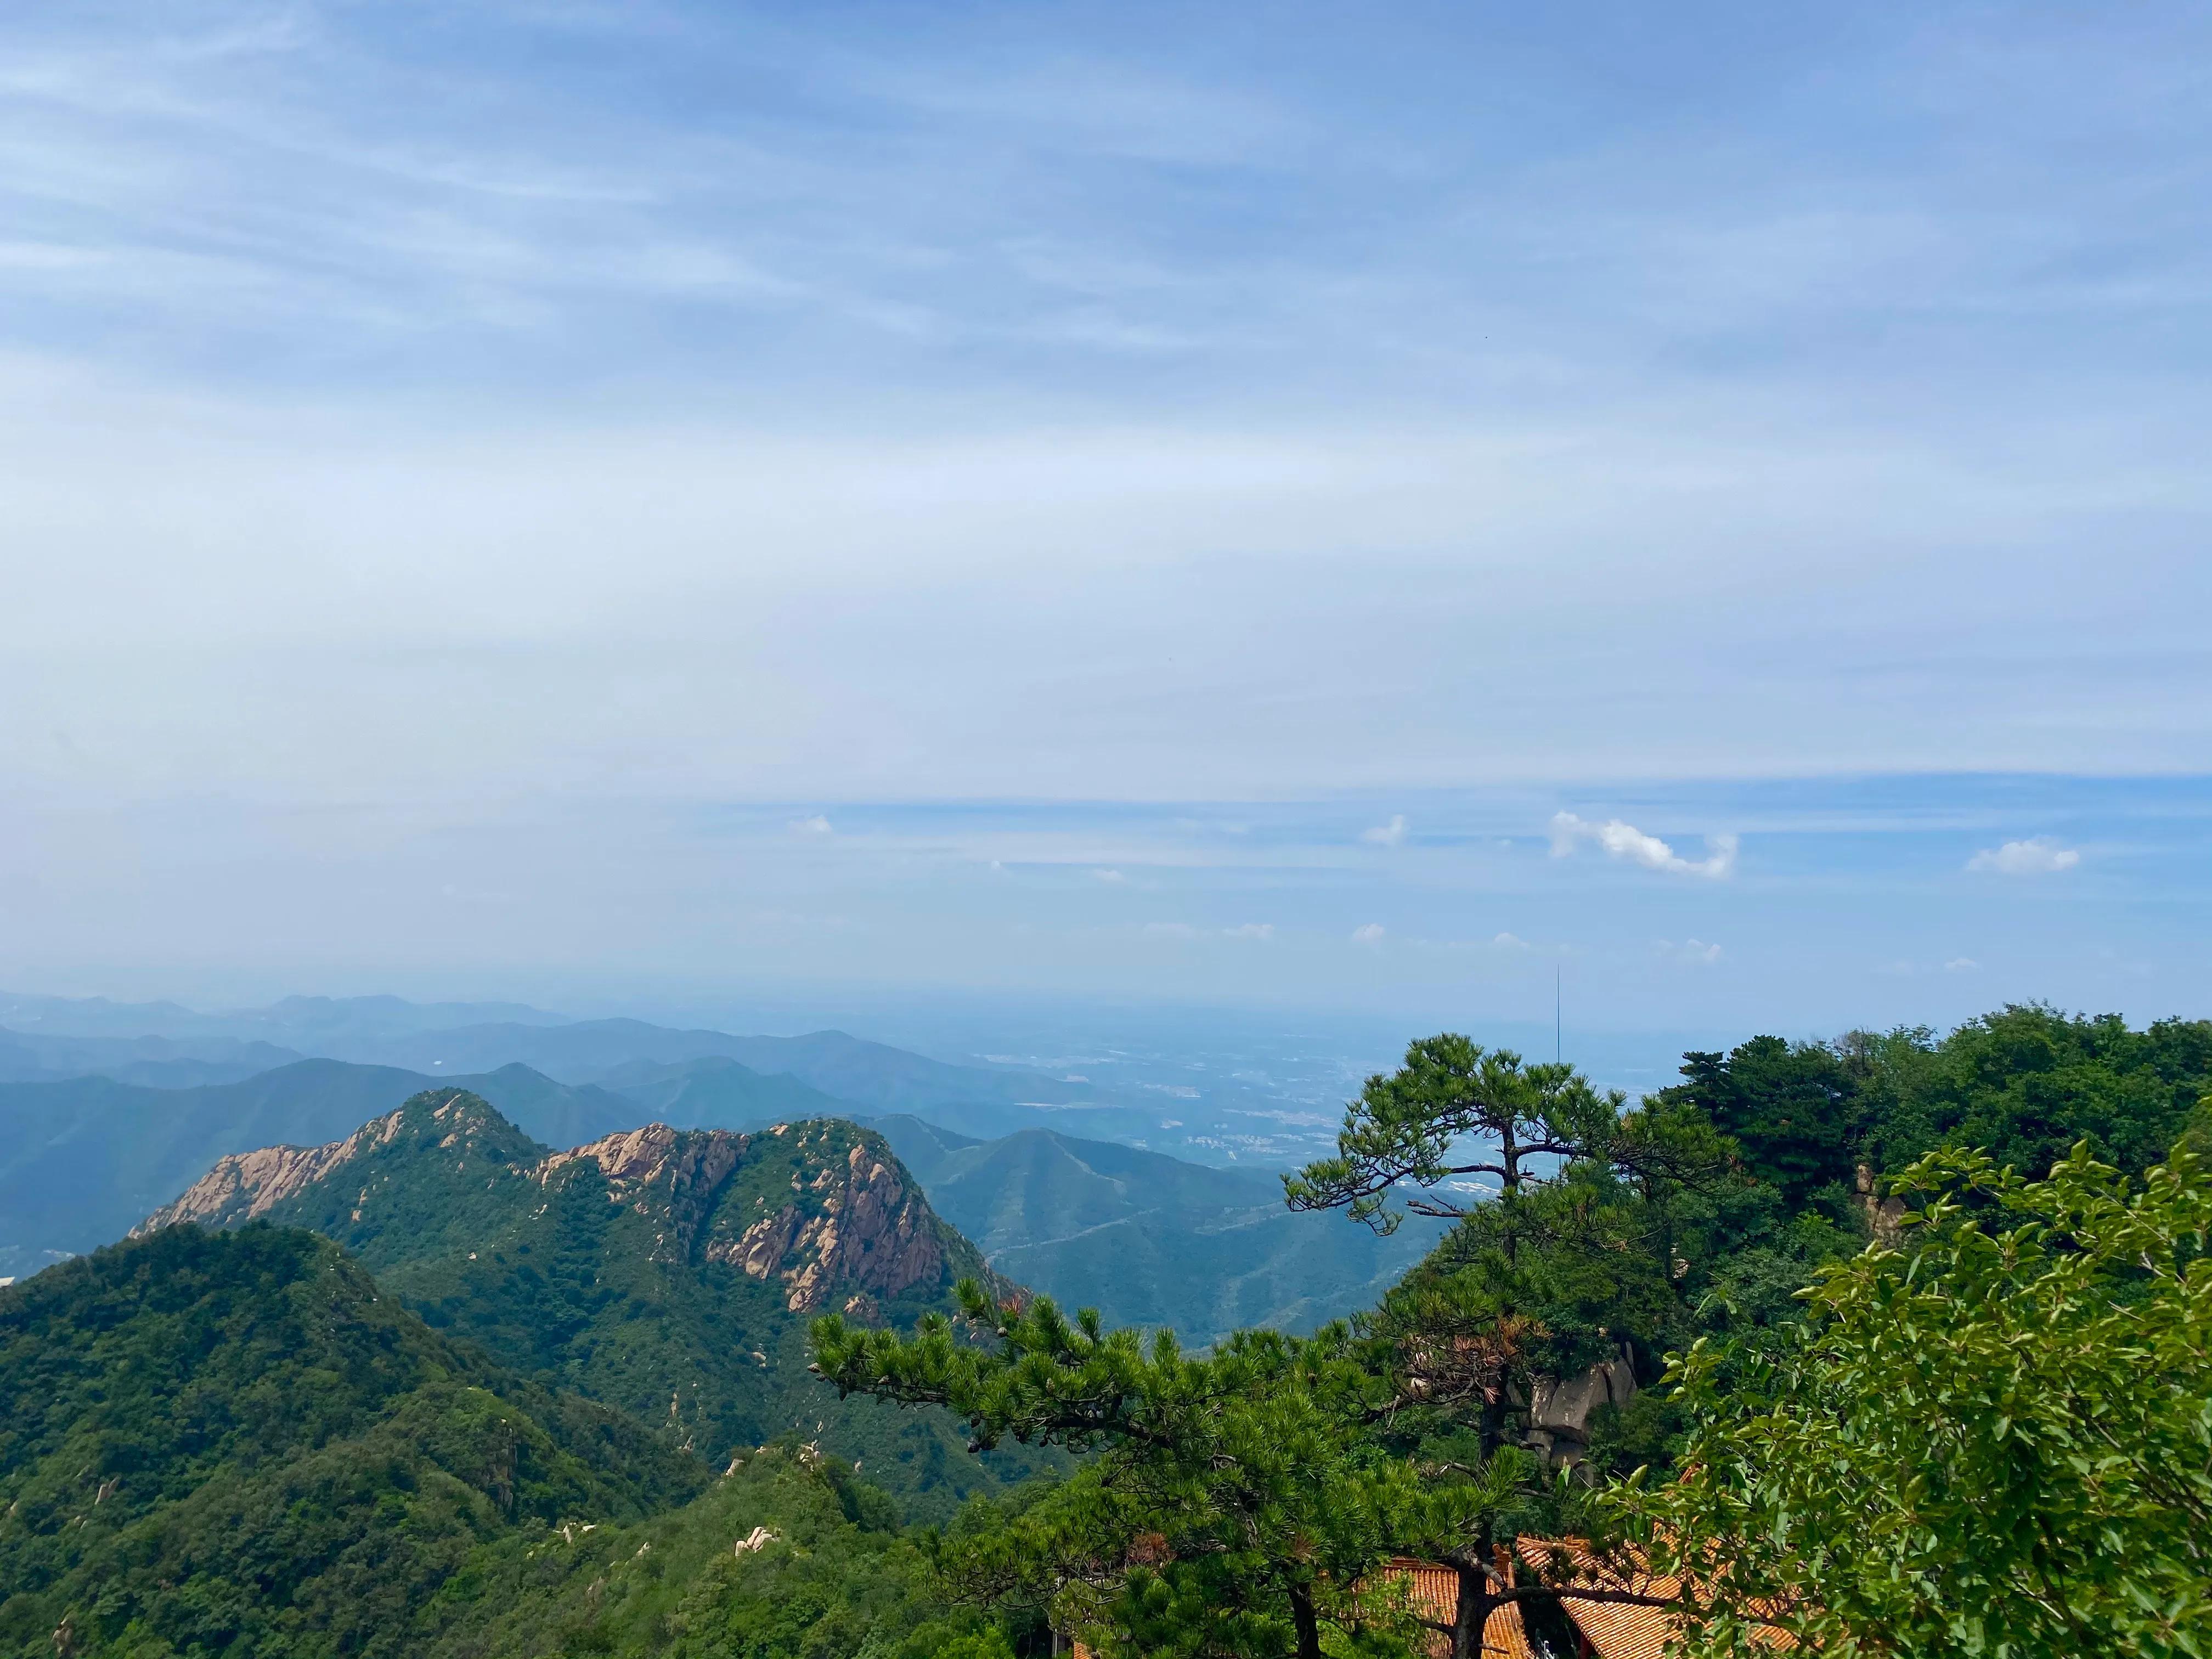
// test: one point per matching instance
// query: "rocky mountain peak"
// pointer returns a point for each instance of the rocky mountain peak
(821, 1209)
(246, 1186)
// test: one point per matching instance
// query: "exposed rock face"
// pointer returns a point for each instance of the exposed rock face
(1885, 1216)
(1560, 1408)
(674, 1175)
(760, 1250)
(870, 1235)
(245, 1185)
(822, 1208)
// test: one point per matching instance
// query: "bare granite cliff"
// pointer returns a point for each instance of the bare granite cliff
(854, 1223)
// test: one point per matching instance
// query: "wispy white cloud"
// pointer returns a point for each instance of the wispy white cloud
(1392, 833)
(1111, 878)
(1188, 930)
(1698, 953)
(816, 825)
(1500, 945)
(2040, 855)
(1185, 932)
(1904, 968)
(1095, 109)
(1368, 933)
(1625, 841)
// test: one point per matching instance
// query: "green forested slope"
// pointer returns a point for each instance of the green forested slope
(237, 1443)
(832, 1575)
(1148, 1239)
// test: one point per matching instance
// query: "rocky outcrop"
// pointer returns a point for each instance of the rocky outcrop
(1885, 1216)
(873, 1235)
(673, 1175)
(1560, 1408)
(245, 1185)
(849, 1224)
(760, 1250)
(870, 1237)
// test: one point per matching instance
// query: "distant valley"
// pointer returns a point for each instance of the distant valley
(1232, 1119)
(1148, 1239)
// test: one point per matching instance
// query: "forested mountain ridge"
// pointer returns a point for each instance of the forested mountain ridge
(237, 1442)
(240, 1444)
(233, 1442)
(83, 1160)
(669, 1272)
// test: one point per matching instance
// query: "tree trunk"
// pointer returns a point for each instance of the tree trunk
(1509, 1160)
(1472, 1616)
(1302, 1614)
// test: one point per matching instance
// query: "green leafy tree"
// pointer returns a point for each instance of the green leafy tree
(1792, 1108)
(2197, 1137)
(1454, 1111)
(2027, 1082)
(1227, 1502)
(1572, 1251)
(1996, 1440)
(1237, 1503)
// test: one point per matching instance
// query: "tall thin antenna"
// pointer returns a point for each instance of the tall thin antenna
(1558, 1013)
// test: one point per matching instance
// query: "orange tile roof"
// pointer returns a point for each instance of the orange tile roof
(1613, 1630)
(1504, 1637)
(1505, 1634)
(1435, 1594)
(1621, 1630)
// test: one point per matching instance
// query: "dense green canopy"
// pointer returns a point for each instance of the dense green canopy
(1996, 1439)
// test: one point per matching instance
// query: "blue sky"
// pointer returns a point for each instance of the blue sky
(473, 479)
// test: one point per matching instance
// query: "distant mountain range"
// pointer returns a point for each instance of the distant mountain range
(299, 1022)
(1144, 1238)
(161, 1045)
(84, 1158)
(58, 1037)
(1149, 1239)
(154, 1062)
(82, 1161)
(108, 1110)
